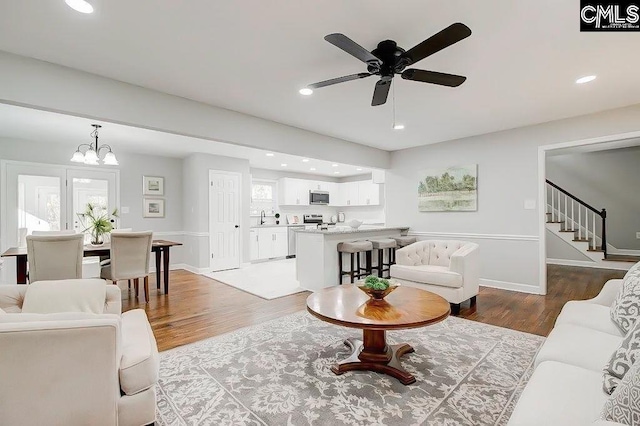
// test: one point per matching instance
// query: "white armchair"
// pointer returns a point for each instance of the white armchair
(76, 368)
(448, 268)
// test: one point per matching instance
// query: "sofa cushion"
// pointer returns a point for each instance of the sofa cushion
(578, 346)
(12, 297)
(623, 405)
(139, 367)
(2, 311)
(625, 309)
(588, 315)
(560, 394)
(622, 359)
(440, 251)
(427, 274)
(47, 297)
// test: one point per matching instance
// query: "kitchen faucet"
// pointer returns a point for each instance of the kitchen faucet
(263, 216)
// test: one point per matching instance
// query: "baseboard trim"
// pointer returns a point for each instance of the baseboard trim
(503, 237)
(505, 285)
(587, 264)
(627, 252)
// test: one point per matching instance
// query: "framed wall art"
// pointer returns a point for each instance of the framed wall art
(152, 185)
(153, 207)
(450, 189)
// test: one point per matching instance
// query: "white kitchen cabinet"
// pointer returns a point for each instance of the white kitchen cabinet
(318, 185)
(351, 191)
(293, 192)
(272, 242)
(368, 193)
(253, 244)
(377, 176)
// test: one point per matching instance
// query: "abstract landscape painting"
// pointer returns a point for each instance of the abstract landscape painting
(449, 189)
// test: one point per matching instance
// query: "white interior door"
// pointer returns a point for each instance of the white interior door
(224, 220)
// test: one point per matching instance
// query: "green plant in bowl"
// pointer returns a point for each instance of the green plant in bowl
(377, 288)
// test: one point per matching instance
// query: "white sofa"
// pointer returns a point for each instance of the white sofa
(566, 387)
(76, 368)
(449, 268)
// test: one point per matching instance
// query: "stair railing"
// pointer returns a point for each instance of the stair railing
(558, 198)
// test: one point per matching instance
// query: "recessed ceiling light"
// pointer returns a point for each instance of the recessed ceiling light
(359, 169)
(81, 6)
(305, 91)
(269, 154)
(585, 79)
(313, 169)
(398, 127)
(283, 165)
(305, 160)
(334, 165)
(337, 173)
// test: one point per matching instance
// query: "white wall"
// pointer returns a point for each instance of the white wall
(42, 85)
(605, 179)
(559, 249)
(507, 175)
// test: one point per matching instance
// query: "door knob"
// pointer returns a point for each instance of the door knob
(237, 226)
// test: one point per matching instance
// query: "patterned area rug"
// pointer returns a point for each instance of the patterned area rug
(277, 373)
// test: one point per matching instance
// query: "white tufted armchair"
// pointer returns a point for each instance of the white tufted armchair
(448, 268)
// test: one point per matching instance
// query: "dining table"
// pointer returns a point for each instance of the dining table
(161, 249)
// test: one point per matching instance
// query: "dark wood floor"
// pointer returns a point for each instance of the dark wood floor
(198, 307)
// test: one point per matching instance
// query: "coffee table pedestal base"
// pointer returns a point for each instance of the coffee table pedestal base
(373, 354)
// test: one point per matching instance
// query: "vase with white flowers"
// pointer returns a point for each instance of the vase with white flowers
(97, 222)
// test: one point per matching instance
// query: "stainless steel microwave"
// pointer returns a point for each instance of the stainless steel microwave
(318, 197)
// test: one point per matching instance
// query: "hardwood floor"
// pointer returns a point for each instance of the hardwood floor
(198, 307)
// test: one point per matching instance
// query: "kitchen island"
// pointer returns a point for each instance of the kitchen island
(317, 252)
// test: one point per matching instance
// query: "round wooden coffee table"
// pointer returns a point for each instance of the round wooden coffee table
(406, 307)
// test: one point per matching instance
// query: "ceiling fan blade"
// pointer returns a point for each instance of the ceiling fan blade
(352, 48)
(433, 77)
(338, 80)
(381, 92)
(445, 38)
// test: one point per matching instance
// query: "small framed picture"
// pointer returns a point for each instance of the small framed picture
(153, 207)
(152, 185)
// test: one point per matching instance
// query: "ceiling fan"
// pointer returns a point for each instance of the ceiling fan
(389, 59)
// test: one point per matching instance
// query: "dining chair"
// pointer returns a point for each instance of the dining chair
(63, 232)
(55, 257)
(130, 252)
(104, 260)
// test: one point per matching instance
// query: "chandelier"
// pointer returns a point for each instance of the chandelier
(92, 153)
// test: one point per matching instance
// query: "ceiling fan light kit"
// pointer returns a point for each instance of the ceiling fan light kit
(388, 59)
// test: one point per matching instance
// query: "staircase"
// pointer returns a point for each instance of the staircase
(584, 228)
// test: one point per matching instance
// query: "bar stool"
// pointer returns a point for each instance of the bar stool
(380, 245)
(403, 242)
(355, 248)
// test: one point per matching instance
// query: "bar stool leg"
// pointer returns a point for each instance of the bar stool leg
(352, 270)
(380, 262)
(368, 261)
(340, 273)
(358, 273)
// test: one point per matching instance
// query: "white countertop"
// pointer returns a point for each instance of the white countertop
(282, 225)
(349, 230)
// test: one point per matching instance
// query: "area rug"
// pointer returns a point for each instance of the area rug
(277, 373)
(268, 280)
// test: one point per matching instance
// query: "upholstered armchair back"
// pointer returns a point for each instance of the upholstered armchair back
(431, 252)
(12, 297)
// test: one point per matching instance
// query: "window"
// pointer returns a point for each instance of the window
(263, 197)
(262, 192)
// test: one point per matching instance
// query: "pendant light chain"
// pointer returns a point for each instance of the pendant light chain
(393, 103)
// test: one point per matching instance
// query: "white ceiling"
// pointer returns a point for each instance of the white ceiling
(29, 124)
(252, 56)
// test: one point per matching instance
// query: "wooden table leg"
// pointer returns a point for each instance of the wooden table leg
(373, 354)
(165, 259)
(21, 269)
(158, 261)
